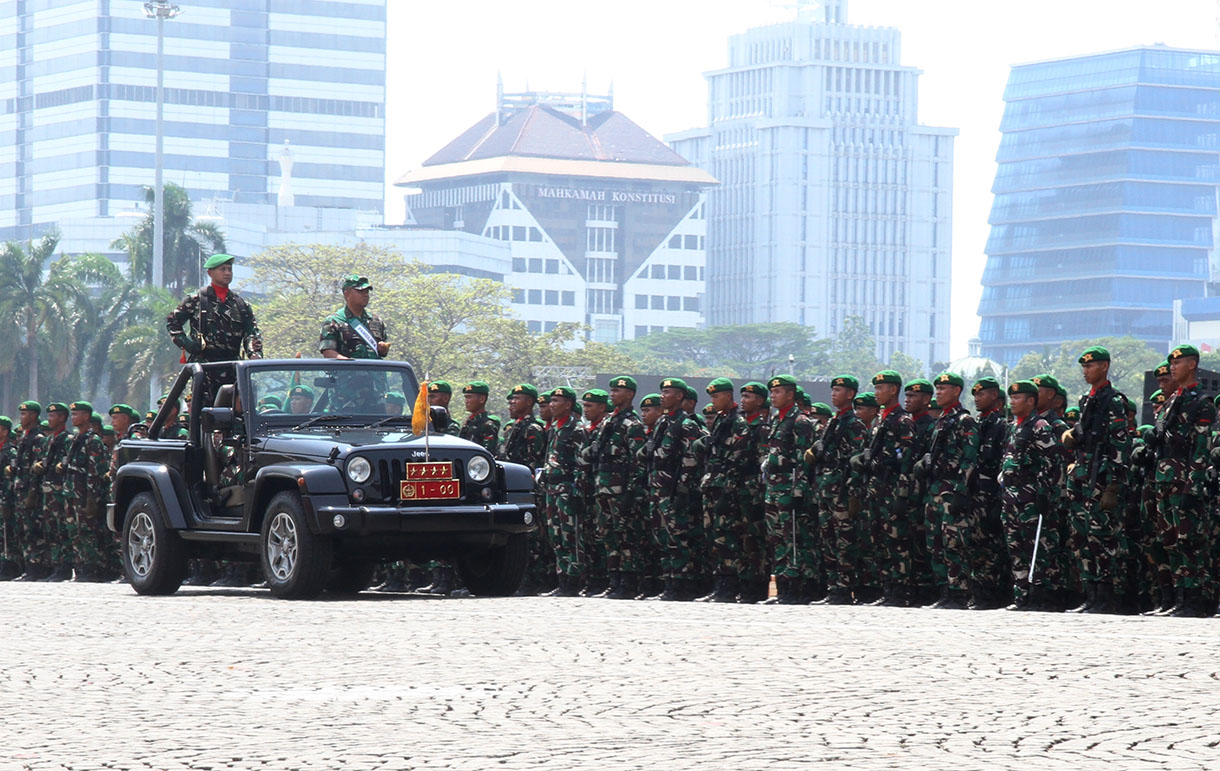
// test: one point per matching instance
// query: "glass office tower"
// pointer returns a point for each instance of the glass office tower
(1105, 198)
(77, 104)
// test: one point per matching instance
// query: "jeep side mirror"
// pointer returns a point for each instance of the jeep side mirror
(217, 418)
(440, 418)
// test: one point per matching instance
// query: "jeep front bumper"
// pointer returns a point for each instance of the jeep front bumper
(491, 518)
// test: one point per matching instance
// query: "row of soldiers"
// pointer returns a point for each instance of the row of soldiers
(898, 496)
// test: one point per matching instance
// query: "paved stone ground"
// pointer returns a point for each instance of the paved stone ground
(96, 677)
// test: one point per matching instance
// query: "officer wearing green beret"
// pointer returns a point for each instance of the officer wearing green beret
(440, 392)
(990, 569)
(648, 558)
(395, 402)
(1182, 442)
(917, 400)
(352, 332)
(620, 509)
(269, 403)
(839, 506)
(731, 463)
(123, 417)
(594, 403)
(49, 472)
(478, 427)
(27, 494)
(1097, 482)
(948, 465)
(1071, 416)
(83, 497)
(564, 512)
(300, 400)
(11, 563)
(523, 441)
(1164, 380)
(790, 533)
(754, 580)
(221, 323)
(866, 408)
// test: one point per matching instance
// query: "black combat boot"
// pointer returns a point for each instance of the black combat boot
(33, 573)
(727, 592)
(1192, 605)
(953, 599)
(942, 595)
(442, 582)
(626, 587)
(596, 585)
(669, 593)
(60, 573)
(1089, 593)
(616, 578)
(716, 584)
(894, 596)
(9, 570)
(1103, 598)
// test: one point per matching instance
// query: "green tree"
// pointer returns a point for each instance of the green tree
(854, 351)
(908, 366)
(753, 351)
(187, 243)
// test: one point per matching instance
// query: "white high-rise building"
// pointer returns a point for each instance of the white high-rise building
(833, 200)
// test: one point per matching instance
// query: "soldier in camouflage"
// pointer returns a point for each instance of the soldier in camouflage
(649, 560)
(990, 559)
(478, 426)
(731, 461)
(440, 393)
(754, 581)
(839, 510)
(85, 471)
(523, 441)
(353, 333)
(594, 404)
(789, 536)
(1059, 564)
(672, 486)
(50, 475)
(11, 564)
(917, 396)
(620, 526)
(27, 495)
(563, 512)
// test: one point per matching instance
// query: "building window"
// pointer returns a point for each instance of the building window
(535, 234)
(534, 326)
(535, 296)
(641, 330)
(519, 296)
(549, 326)
(519, 265)
(691, 272)
(675, 242)
(675, 272)
(601, 213)
(690, 304)
(657, 330)
(658, 271)
(552, 266)
(601, 301)
(658, 302)
(674, 303)
(601, 271)
(535, 264)
(568, 298)
(692, 242)
(641, 302)
(552, 297)
(600, 240)
(518, 232)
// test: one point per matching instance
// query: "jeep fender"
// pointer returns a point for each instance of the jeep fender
(518, 483)
(318, 485)
(163, 482)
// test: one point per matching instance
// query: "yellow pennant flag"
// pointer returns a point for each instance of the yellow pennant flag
(419, 415)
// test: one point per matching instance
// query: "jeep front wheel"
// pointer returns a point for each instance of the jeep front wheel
(154, 557)
(496, 572)
(296, 562)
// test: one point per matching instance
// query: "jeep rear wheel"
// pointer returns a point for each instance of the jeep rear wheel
(497, 572)
(154, 557)
(296, 563)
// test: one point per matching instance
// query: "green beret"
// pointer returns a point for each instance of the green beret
(495, 419)
(524, 388)
(846, 381)
(577, 409)
(1182, 351)
(803, 397)
(477, 387)
(1157, 397)
(623, 381)
(866, 399)
(81, 406)
(150, 416)
(440, 387)
(216, 260)
(108, 431)
(1046, 381)
(1071, 412)
(691, 394)
(720, 384)
(932, 405)
(754, 387)
(985, 384)
(1093, 353)
(6, 421)
(124, 409)
(651, 400)
(822, 408)
(1023, 387)
(270, 400)
(95, 418)
(709, 409)
(950, 378)
(356, 282)
(565, 392)
(1131, 405)
(544, 398)
(596, 395)
(31, 406)
(45, 424)
(919, 386)
(887, 376)
(397, 398)
(1062, 394)
(59, 407)
(304, 390)
(782, 381)
(1162, 369)
(674, 382)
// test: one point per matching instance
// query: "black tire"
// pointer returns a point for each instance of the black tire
(497, 572)
(351, 576)
(154, 557)
(296, 563)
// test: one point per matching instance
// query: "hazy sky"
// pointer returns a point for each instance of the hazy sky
(444, 56)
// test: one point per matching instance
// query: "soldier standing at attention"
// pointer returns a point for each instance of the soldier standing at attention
(917, 395)
(788, 532)
(563, 512)
(1183, 435)
(671, 487)
(27, 495)
(10, 560)
(754, 582)
(990, 567)
(394, 401)
(440, 393)
(1097, 482)
(523, 441)
(614, 450)
(948, 465)
(731, 457)
(651, 543)
(84, 510)
(478, 427)
(866, 409)
(1029, 468)
(50, 473)
(1164, 379)
(594, 403)
(838, 508)
(352, 332)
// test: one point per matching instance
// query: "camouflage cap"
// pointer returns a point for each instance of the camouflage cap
(674, 382)
(355, 281)
(1182, 351)
(782, 381)
(29, 405)
(919, 386)
(866, 399)
(624, 381)
(595, 395)
(651, 400)
(216, 260)
(81, 406)
(950, 378)
(720, 384)
(1046, 381)
(477, 387)
(822, 408)
(754, 387)
(1093, 353)
(563, 392)
(1162, 370)
(1023, 387)
(846, 381)
(985, 384)
(60, 407)
(887, 376)
(304, 390)
(397, 398)
(524, 388)
(440, 387)
(6, 422)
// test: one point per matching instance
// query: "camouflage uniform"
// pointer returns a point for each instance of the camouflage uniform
(650, 544)
(1181, 479)
(671, 486)
(754, 559)
(951, 517)
(51, 473)
(27, 502)
(524, 441)
(563, 505)
(838, 514)
(591, 549)
(341, 332)
(1029, 470)
(887, 461)
(928, 574)
(1101, 466)
(613, 451)
(85, 463)
(10, 560)
(219, 331)
(732, 454)
(989, 558)
(482, 430)
(789, 535)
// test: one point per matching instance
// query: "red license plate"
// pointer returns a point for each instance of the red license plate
(422, 471)
(429, 490)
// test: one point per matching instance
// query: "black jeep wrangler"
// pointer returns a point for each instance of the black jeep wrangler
(320, 490)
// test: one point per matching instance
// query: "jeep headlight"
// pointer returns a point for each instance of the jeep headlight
(478, 469)
(359, 470)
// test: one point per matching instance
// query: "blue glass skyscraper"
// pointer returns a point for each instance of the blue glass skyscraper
(1105, 198)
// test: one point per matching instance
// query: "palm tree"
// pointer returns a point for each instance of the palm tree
(187, 242)
(139, 351)
(42, 304)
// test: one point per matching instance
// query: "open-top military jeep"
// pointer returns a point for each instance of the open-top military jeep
(319, 491)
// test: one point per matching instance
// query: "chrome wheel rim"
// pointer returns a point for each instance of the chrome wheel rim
(141, 545)
(282, 546)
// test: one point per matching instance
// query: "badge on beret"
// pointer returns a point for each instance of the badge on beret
(667, 384)
(1087, 357)
(620, 383)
